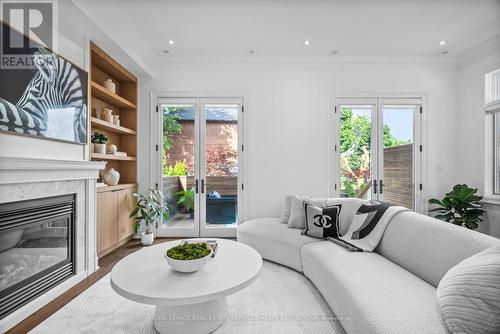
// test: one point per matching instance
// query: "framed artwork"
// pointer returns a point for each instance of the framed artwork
(46, 97)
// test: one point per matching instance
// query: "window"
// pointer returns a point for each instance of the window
(492, 105)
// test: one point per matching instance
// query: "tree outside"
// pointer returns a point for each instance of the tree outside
(355, 145)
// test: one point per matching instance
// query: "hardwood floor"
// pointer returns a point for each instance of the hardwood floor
(106, 263)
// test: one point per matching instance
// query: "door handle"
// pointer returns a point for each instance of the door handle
(196, 186)
(381, 186)
(202, 186)
(375, 184)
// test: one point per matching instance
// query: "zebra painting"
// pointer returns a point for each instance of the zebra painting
(53, 103)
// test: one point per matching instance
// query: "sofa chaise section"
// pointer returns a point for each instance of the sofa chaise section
(274, 241)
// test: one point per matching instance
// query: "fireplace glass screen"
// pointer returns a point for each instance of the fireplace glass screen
(36, 248)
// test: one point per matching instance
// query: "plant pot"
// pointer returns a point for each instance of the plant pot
(99, 148)
(147, 238)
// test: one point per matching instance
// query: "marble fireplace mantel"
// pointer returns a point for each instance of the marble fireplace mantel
(29, 178)
(24, 170)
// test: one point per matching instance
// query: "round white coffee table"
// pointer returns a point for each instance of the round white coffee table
(192, 303)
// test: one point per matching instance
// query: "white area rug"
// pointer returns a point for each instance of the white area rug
(279, 301)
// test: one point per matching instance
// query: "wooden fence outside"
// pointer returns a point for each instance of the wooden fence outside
(398, 175)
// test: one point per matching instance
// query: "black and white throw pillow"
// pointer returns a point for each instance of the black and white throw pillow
(321, 222)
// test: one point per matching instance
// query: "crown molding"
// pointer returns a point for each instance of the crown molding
(313, 63)
(481, 51)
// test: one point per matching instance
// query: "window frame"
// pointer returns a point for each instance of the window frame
(492, 110)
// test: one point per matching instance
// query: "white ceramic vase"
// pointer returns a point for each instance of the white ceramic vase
(111, 177)
(147, 238)
(110, 86)
(99, 148)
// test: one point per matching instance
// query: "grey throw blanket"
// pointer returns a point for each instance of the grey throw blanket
(367, 226)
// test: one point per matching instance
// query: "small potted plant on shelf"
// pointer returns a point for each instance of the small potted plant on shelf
(186, 198)
(461, 206)
(99, 142)
(148, 211)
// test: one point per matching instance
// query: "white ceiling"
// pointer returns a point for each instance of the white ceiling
(277, 29)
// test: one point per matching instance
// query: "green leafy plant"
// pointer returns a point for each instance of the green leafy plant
(186, 198)
(189, 251)
(179, 169)
(170, 125)
(99, 138)
(461, 206)
(148, 210)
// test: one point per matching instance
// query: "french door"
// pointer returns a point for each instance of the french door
(198, 159)
(378, 150)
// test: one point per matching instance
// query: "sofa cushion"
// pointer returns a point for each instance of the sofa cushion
(349, 206)
(274, 241)
(469, 294)
(321, 222)
(428, 247)
(370, 293)
(285, 213)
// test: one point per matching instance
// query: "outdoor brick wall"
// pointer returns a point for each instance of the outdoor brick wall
(217, 133)
(398, 175)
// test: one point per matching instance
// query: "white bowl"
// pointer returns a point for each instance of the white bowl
(188, 266)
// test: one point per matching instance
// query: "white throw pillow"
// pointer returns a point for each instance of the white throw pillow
(469, 294)
(297, 215)
(285, 213)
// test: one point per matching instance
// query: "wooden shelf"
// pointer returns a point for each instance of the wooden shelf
(98, 156)
(110, 66)
(103, 125)
(102, 93)
(117, 187)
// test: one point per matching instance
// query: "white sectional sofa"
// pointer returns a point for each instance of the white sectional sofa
(392, 290)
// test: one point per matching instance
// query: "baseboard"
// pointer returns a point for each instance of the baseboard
(19, 315)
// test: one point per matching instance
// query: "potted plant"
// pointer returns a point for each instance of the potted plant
(461, 206)
(186, 198)
(99, 142)
(148, 211)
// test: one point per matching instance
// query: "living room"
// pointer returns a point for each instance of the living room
(244, 167)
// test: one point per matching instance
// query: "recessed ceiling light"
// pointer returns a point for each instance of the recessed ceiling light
(251, 51)
(442, 43)
(307, 42)
(171, 42)
(166, 51)
(334, 52)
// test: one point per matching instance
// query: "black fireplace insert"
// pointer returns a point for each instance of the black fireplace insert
(37, 248)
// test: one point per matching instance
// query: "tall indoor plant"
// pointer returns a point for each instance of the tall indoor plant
(461, 206)
(148, 211)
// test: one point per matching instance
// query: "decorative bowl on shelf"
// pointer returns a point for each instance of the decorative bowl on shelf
(188, 257)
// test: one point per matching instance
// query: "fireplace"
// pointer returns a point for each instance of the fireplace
(37, 248)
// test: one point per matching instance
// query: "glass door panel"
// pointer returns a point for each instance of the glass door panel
(379, 156)
(200, 166)
(221, 164)
(178, 170)
(397, 184)
(356, 150)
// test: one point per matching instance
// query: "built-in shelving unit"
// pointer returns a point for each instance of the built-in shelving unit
(114, 203)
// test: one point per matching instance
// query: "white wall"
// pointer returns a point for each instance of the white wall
(474, 127)
(288, 113)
